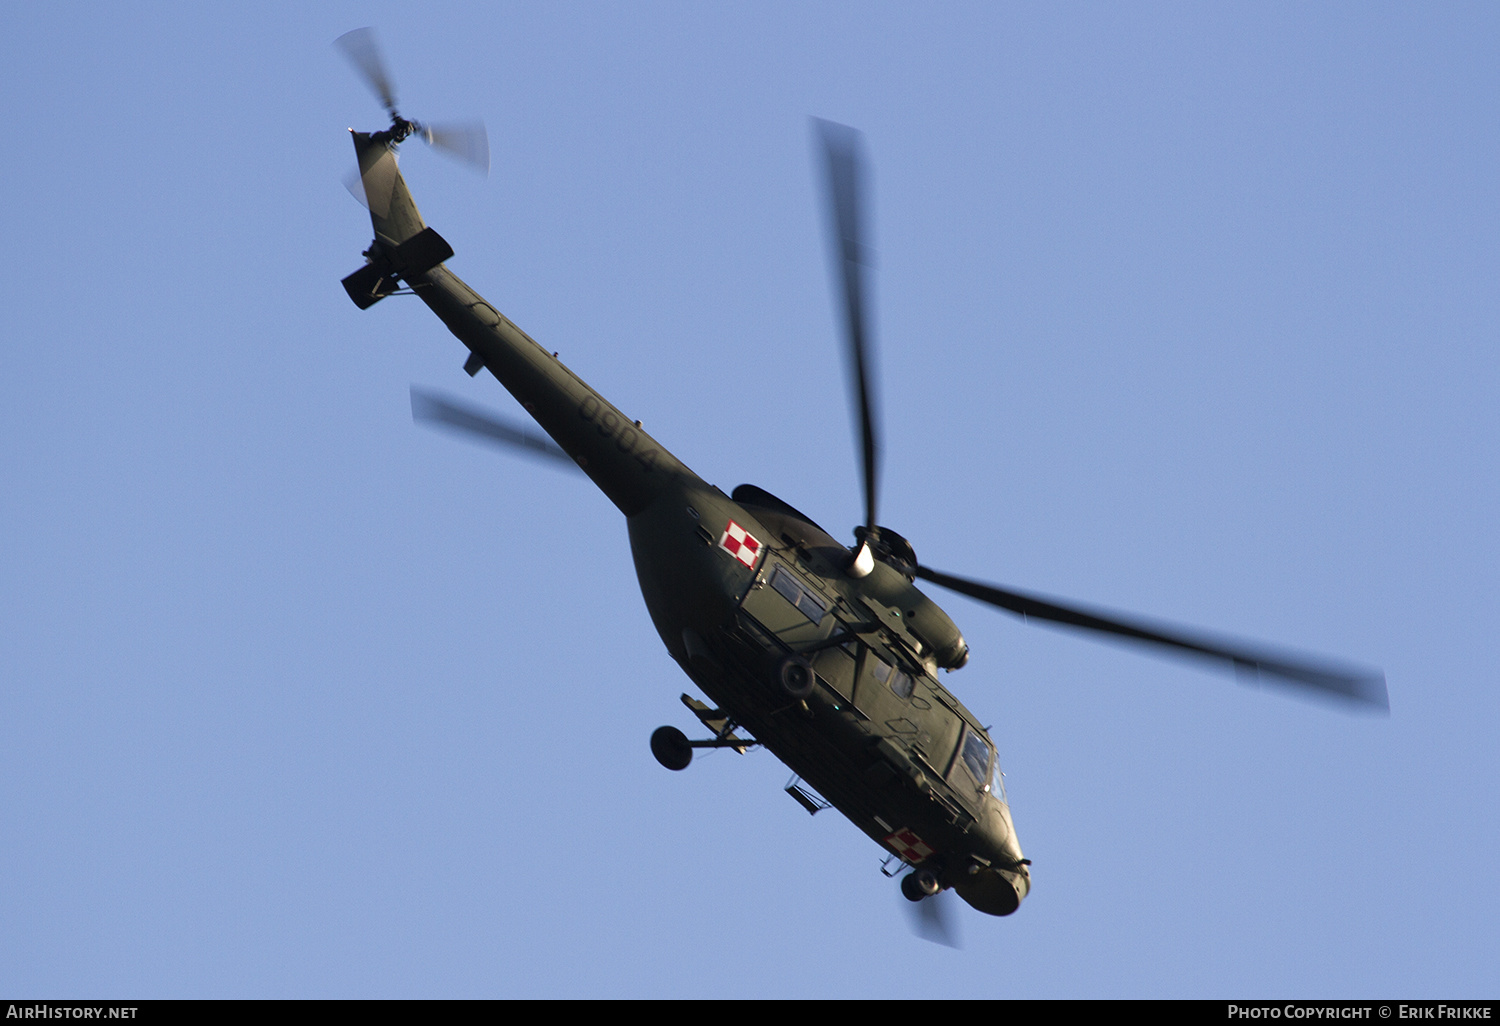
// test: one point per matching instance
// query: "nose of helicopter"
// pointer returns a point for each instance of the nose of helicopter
(996, 892)
(996, 889)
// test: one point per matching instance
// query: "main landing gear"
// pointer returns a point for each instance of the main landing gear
(920, 883)
(932, 911)
(673, 749)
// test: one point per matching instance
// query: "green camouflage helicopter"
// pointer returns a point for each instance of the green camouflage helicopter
(825, 655)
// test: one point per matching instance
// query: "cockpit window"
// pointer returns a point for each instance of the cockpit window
(977, 757)
(997, 783)
(791, 589)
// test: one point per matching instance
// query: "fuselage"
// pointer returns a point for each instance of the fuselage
(739, 585)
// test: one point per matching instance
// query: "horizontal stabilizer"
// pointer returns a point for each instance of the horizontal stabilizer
(369, 285)
(421, 253)
(380, 277)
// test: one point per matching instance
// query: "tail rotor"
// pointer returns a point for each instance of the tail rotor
(467, 142)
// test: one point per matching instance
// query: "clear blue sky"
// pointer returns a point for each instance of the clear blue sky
(1183, 309)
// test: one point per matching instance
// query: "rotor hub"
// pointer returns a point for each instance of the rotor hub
(890, 548)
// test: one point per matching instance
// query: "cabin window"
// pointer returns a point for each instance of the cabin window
(900, 681)
(793, 590)
(977, 757)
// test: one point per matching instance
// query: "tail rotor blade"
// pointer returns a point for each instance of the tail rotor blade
(466, 142)
(377, 181)
(360, 47)
(356, 186)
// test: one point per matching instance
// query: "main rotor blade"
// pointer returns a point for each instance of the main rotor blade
(468, 142)
(364, 53)
(1364, 687)
(841, 150)
(935, 918)
(433, 409)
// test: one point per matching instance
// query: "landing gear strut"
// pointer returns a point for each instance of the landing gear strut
(673, 749)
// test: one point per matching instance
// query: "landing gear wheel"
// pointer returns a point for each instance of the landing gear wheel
(797, 677)
(671, 748)
(919, 884)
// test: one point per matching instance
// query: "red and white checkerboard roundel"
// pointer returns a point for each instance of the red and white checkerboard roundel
(909, 846)
(740, 544)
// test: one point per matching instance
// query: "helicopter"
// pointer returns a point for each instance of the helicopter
(824, 654)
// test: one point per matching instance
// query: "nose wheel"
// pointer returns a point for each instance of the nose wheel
(919, 884)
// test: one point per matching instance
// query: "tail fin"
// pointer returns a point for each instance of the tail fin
(404, 246)
(391, 208)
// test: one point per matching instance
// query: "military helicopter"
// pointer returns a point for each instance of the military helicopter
(824, 654)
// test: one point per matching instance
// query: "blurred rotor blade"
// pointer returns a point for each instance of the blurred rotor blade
(364, 53)
(378, 180)
(1250, 662)
(845, 168)
(356, 186)
(467, 142)
(430, 408)
(935, 918)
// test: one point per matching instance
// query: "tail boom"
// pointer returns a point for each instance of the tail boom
(627, 464)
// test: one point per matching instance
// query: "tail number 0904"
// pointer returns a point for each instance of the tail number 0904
(612, 425)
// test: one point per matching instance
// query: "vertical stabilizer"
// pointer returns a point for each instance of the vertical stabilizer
(404, 247)
(392, 211)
